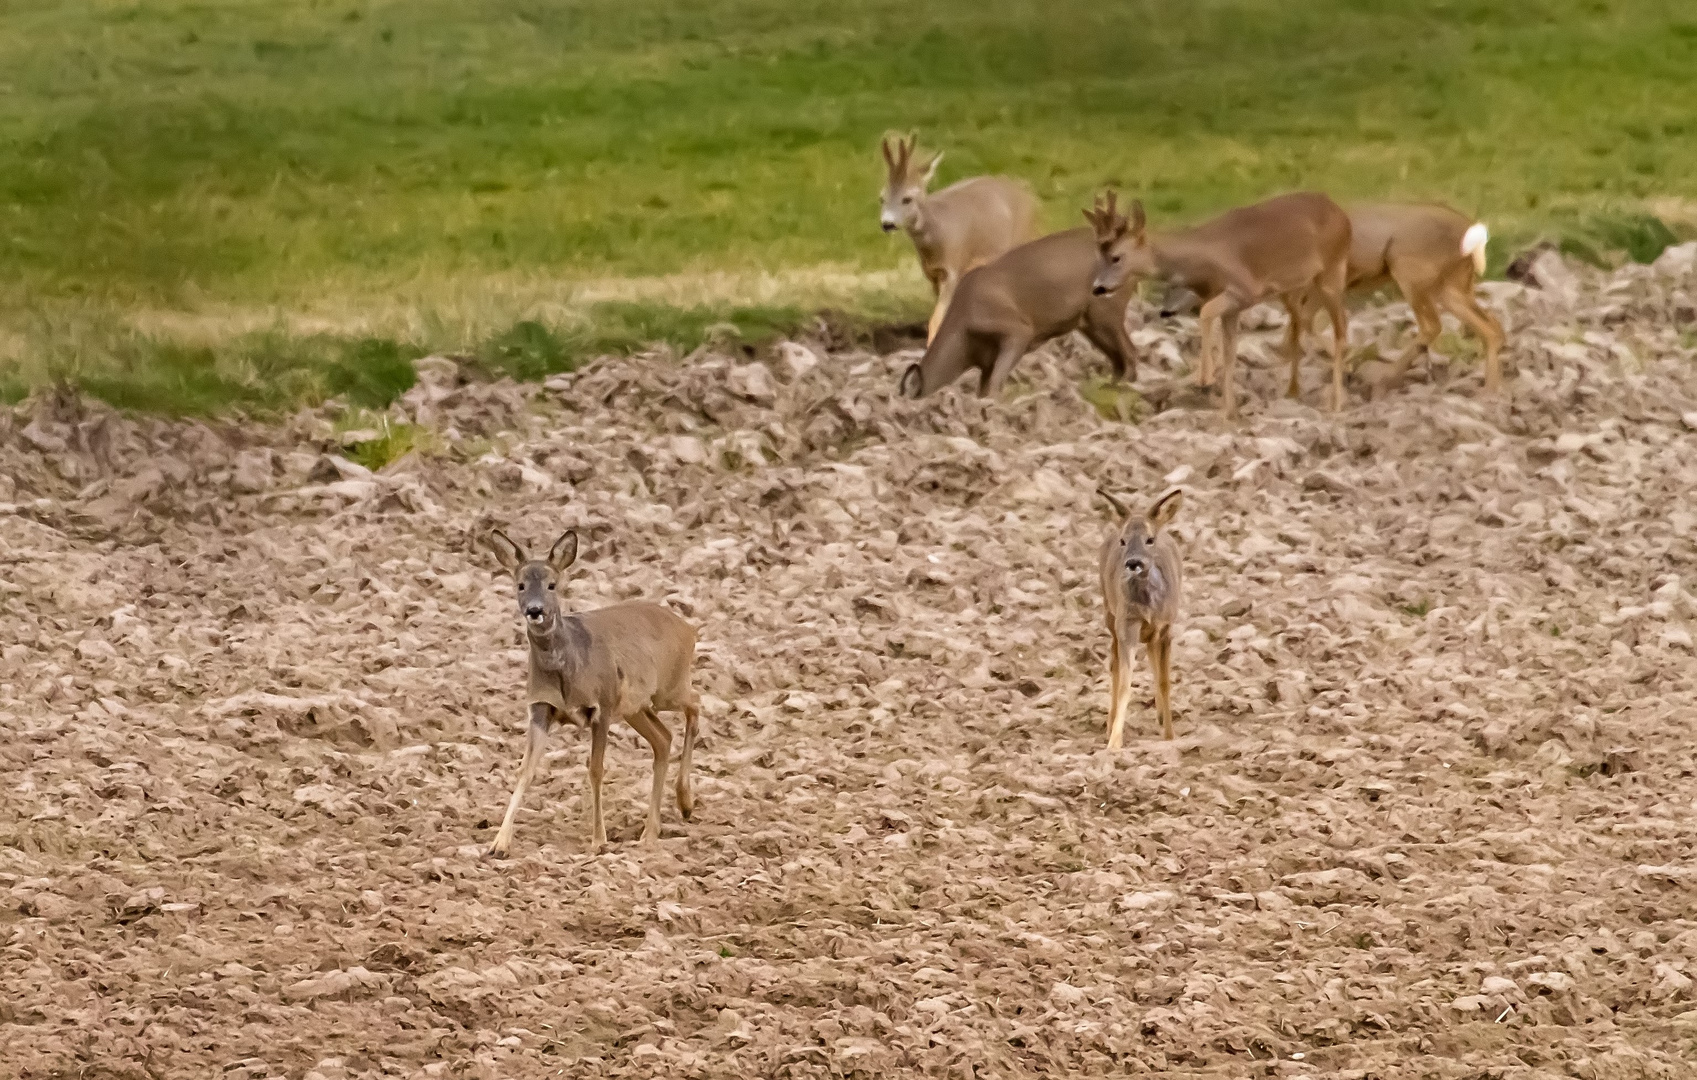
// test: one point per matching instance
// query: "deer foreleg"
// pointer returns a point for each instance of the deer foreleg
(535, 744)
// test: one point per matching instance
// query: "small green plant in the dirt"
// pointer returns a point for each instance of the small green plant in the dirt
(1112, 400)
(393, 442)
(1418, 609)
(532, 349)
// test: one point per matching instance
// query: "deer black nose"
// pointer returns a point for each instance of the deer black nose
(1099, 290)
(534, 610)
(889, 226)
(1134, 565)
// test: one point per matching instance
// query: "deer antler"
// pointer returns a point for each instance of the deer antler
(1105, 216)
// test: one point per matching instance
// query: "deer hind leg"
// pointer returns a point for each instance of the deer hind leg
(649, 725)
(536, 743)
(597, 769)
(1458, 298)
(692, 722)
(1296, 305)
(945, 287)
(1428, 323)
(1160, 659)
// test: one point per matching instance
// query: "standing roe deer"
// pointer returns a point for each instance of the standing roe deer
(1435, 255)
(1142, 582)
(1008, 307)
(1291, 246)
(628, 661)
(963, 226)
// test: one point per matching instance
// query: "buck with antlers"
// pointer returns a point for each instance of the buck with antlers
(1294, 247)
(963, 226)
(1003, 310)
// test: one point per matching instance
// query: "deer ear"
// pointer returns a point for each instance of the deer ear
(1163, 511)
(507, 553)
(889, 155)
(1137, 219)
(931, 169)
(564, 551)
(1120, 508)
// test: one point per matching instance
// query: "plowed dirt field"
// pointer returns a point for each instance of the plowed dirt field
(1430, 813)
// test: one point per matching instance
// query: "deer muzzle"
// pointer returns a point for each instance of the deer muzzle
(1136, 567)
(913, 382)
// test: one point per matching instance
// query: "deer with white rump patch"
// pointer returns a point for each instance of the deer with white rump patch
(1142, 583)
(1294, 247)
(1434, 254)
(960, 227)
(629, 661)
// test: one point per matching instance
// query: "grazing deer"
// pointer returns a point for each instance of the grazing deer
(1292, 247)
(1142, 582)
(1006, 308)
(628, 661)
(963, 226)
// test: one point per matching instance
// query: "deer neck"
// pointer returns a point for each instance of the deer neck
(562, 646)
(922, 230)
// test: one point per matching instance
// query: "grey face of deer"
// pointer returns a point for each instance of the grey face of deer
(537, 580)
(1120, 261)
(1139, 559)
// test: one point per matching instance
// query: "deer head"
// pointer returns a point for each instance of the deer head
(904, 185)
(1122, 244)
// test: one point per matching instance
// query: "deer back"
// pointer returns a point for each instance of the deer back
(976, 220)
(1044, 284)
(1417, 240)
(1278, 245)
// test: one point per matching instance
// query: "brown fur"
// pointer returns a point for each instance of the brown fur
(955, 230)
(1145, 600)
(627, 661)
(1035, 292)
(1293, 246)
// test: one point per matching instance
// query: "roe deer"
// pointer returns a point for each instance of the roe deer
(1142, 582)
(963, 226)
(1292, 246)
(1434, 254)
(1008, 307)
(628, 661)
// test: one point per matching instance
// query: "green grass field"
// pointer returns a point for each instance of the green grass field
(226, 203)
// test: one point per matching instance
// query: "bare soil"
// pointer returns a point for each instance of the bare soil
(1430, 812)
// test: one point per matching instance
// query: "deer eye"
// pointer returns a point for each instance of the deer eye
(906, 199)
(1117, 259)
(550, 586)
